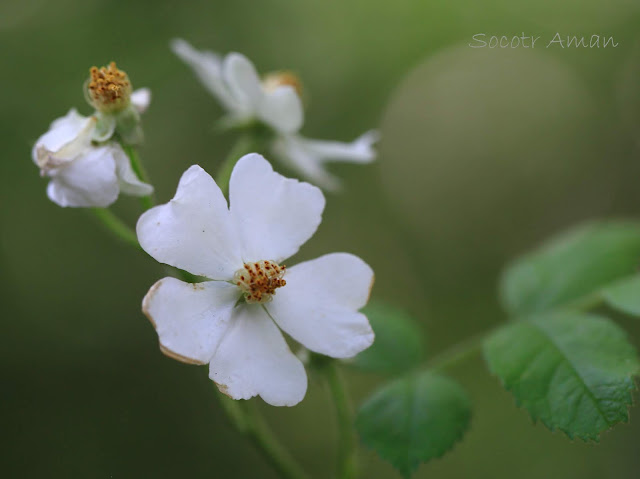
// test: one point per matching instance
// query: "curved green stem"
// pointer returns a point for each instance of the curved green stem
(116, 226)
(247, 419)
(585, 303)
(467, 348)
(457, 353)
(146, 201)
(347, 444)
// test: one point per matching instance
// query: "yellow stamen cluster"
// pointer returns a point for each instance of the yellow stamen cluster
(109, 88)
(259, 281)
(282, 78)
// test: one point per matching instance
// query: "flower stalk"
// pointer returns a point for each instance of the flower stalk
(146, 201)
(347, 467)
(116, 226)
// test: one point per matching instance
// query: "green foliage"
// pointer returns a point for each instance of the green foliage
(398, 346)
(624, 295)
(414, 419)
(570, 266)
(571, 371)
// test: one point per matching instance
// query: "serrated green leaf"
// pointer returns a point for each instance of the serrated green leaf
(571, 266)
(571, 371)
(414, 419)
(398, 346)
(624, 295)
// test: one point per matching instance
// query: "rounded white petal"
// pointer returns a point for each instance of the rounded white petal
(208, 68)
(194, 230)
(318, 307)
(242, 81)
(291, 150)
(129, 182)
(282, 109)
(67, 137)
(190, 319)
(88, 181)
(253, 359)
(140, 99)
(273, 215)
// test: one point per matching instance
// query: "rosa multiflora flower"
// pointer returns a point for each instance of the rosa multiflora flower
(275, 102)
(233, 322)
(86, 170)
(85, 167)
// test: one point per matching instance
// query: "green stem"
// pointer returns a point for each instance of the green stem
(347, 444)
(457, 353)
(247, 420)
(116, 226)
(245, 144)
(146, 201)
(465, 349)
(585, 303)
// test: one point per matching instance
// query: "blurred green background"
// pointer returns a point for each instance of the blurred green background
(484, 154)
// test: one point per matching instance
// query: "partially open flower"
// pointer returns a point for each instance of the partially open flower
(109, 89)
(233, 321)
(84, 174)
(275, 102)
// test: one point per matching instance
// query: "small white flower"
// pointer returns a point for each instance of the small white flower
(275, 101)
(235, 83)
(83, 174)
(232, 322)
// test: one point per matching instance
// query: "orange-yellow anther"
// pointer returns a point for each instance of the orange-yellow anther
(259, 281)
(109, 88)
(274, 80)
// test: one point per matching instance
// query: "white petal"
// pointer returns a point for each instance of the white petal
(308, 156)
(358, 151)
(282, 109)
(208, 68)
(140, 99)
(274, 215)
(190, 319)
(318, 307)
(194, 230)
(105, 126)
(88, 181)
(129, 182)
(292, 151)
(66, 138)
(254, 359)
(242, 80)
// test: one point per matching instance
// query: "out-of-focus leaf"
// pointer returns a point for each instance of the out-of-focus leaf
(570, 266)
(624, 295)
(571, 371)
(398, 346)
(414, 419)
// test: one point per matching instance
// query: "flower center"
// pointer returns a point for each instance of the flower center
(259, 281)
(273, 80)
(109, 88)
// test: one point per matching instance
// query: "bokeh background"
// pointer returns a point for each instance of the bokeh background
(484, 154)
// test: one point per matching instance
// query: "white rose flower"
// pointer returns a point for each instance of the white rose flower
(233, 321)
(83, 174)
(235, 83)
(275, 102)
